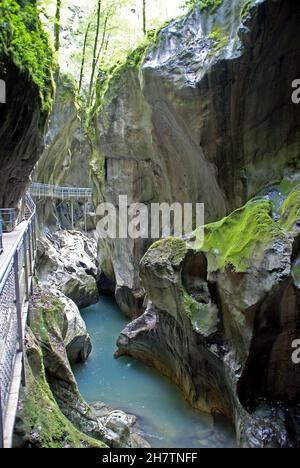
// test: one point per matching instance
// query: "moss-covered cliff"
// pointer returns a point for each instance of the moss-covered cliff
(52, 412)
(222, 316)
(26, 67)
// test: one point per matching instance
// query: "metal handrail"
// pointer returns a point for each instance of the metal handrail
(62, 193)
(15, 289)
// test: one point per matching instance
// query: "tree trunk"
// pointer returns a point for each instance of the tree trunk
(83, 56)
(94, 63)
(57, 26)
(144, 18)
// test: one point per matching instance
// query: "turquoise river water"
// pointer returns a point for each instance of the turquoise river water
(165, 418)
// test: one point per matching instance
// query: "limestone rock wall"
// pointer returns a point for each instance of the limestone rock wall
(221, 318)
(207, 117)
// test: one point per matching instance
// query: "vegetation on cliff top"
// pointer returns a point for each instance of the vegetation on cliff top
(209, 5)
(24, 41)
(110, 79)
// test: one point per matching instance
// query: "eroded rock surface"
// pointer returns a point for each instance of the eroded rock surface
(68, 262)
(65, 160)
(222, 316)
(52, 413)
(207, 117)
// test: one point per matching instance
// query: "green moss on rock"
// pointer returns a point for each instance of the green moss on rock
(171, 248)
(233, 240)
(290, 213)
(41, 417)
(48, 312)
(204, 317)
(219, 40)
(24, 41)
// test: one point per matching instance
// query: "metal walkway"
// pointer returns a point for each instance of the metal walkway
(60, 193)
(84, 195)
(16, 272)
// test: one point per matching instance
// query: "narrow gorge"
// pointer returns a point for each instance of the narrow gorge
(150, 339)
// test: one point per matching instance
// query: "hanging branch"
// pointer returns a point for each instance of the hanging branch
(103, 37)
(57, 26)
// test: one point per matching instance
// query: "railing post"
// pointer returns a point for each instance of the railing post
(30, 253)
(72, 213)
(19, 314)
(1, 423)
(26, 267)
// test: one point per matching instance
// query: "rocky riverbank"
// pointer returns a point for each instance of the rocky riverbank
(221, 319)
(52, 413)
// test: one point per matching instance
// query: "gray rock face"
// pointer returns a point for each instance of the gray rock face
(224, 331)
(76, 338)
(65, 158)
(21, 139)
(52, 413)
(67, 262)
(208, 117)
(64, 161)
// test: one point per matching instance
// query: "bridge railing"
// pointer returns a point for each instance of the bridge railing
(61, 193)
(15, 289)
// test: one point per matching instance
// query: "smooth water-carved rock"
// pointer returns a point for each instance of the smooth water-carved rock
(76, 338)
(238, 361)
(67, 262)
(52, 413)
(65, 160)
(207, 117)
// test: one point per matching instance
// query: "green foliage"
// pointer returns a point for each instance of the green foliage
(108, 78)
(234, 240)
(24, 41)
(246, 8)
(209, 5)
(190, 305)
(220, 40)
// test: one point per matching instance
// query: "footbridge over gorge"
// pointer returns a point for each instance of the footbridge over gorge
(40, 191)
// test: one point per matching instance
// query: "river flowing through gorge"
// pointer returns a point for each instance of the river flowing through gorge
(164, 417)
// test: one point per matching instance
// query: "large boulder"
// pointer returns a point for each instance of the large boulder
(67, 261)
(76, 338)
(221, 318)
